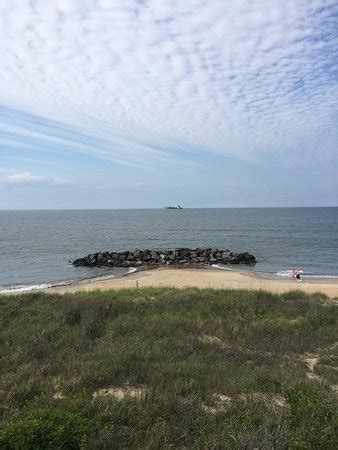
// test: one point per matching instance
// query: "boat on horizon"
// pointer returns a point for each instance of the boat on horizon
(174, 207)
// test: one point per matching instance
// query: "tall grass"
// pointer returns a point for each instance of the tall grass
(187, 350)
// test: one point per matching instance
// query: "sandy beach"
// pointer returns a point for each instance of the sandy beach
(204, 278)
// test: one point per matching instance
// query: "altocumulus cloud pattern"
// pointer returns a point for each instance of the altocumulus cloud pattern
(147, 83)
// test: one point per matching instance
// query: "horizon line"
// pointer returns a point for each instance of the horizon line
(161, 208)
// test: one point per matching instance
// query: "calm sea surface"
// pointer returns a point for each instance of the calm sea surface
(35, 246)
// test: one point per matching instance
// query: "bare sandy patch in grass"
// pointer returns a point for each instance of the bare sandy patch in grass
(221, 401)
(209, 339)
(121, 393)
(276, 399)
(311, 362)
(58, 396)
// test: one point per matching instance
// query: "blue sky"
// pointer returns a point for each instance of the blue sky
(131, 103)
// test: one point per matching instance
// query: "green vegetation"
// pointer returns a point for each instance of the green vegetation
(158, 368)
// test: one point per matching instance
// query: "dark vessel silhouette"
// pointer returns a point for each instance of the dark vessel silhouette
(174, 207)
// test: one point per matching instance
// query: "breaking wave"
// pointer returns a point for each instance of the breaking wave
(219, 266)
(287, 274)
(19, 289)
(279, 274)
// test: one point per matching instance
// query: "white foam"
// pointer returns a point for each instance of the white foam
(288, 273)
(14, 289)
(38, 287)
(283, 273)
(108, 277)
(330, 277)
(217, 266)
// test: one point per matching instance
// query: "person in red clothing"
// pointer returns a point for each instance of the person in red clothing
(295, 274)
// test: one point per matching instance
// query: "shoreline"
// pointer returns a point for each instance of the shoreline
(200, 278)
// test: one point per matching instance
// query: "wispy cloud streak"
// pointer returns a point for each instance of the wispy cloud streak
(27, 179)
(153, 83)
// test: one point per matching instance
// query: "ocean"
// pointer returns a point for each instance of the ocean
(36, 246)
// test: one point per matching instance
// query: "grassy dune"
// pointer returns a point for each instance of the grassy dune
(158, 368)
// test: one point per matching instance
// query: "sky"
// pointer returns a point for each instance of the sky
(141, 104)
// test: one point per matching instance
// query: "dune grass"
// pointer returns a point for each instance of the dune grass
(160, 368)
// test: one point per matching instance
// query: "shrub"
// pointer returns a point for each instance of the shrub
(313, 417)
(45, 429)
(72, 317)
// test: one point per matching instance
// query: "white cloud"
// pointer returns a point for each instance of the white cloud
(27, 179)
(247, 79)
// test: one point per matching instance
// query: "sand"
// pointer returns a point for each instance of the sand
(204, 278)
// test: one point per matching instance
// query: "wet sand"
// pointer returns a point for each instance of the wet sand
(204, 278)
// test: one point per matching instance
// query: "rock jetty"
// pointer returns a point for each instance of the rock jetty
(177, 256)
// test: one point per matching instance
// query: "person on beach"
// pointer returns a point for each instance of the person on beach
(294, 273)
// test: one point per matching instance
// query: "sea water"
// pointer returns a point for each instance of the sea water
(36, 246)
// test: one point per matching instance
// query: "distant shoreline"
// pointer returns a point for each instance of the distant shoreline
(175, 276)
(201, 278)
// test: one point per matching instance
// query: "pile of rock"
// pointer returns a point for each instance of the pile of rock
(178, 256)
